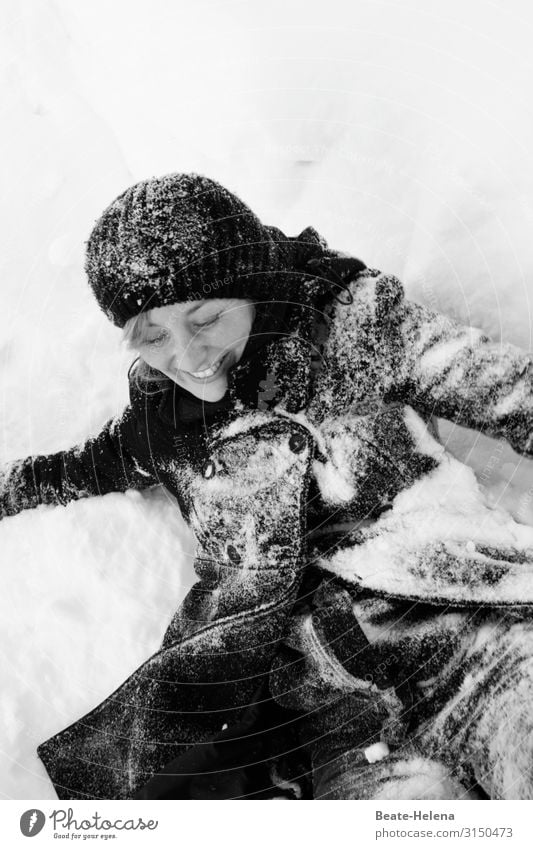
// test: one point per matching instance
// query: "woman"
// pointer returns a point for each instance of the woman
(357, 602)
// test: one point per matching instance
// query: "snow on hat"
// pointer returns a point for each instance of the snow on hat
(185, 237)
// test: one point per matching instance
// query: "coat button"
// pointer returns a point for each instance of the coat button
(209, 470)
(297, 442)
(233, 554)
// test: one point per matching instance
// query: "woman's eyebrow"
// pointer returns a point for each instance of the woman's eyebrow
(189, 312)
(211, 303)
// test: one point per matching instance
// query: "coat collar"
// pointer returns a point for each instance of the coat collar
(279, 372)
(275, 369)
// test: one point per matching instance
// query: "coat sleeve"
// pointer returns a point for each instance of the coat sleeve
(458, 373)
(113, 461)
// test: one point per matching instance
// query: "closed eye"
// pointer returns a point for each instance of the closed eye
(157, 341)
(209, 322)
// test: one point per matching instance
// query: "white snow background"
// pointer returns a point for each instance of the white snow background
(401, 130)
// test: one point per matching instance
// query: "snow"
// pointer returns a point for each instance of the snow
(432, 362)
(486, 711)
(376, 752)
(518, 394)
(423, 440)
(334, 488)
(433, 544)
(401, 132)
(418, 778)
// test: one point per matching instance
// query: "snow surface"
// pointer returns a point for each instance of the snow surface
(401, 131)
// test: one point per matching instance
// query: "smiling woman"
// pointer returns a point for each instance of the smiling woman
(194, 344)
(361, 616)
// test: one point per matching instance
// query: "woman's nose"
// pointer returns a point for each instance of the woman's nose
(189, 355)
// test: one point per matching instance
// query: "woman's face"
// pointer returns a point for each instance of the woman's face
(195, 343)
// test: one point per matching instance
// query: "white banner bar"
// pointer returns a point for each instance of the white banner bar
(256, 824)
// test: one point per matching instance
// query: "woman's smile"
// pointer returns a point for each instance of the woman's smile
(202, 376)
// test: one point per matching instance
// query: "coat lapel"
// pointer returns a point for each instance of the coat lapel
(282, 372)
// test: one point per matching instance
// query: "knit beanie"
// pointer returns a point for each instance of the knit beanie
(185, 237)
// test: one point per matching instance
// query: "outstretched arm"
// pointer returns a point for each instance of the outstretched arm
(458, 373)
(109, 462)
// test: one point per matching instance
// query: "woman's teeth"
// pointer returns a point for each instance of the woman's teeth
(208, 372)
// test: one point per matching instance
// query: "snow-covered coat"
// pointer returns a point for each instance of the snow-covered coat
(342, 551)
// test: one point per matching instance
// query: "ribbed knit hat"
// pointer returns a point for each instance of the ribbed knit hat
(185, 237)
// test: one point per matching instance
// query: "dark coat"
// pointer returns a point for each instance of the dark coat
(324, 507)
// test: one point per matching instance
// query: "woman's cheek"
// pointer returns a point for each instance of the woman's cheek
(154, 360)
(220, 339)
